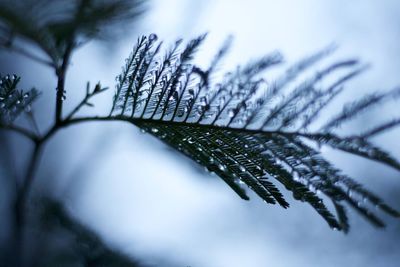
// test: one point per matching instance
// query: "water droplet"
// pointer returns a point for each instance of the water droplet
(246, 146)
(221, 167)
(63, 98)
(153, 37)
(311, 188)
(231, 113)
(154, 130)
(242, 168)
(18, 102)
(199, 109)
(199, 149)
(174, 96)
(143, 131)
(26, 95)
(219, 142)
(2, 105)
(350, 193)
(296, 176)
(211, 160)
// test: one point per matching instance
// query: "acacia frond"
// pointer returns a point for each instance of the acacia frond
(252, 132)
(13, 101)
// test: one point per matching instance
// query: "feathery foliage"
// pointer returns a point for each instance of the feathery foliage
(59, 26)
(13, 101)
(252, 132)
(80, 245)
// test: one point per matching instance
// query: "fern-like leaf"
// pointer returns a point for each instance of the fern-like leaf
(252, 132)
(13, 101)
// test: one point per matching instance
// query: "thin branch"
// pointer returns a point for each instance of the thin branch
(25, 132)
(61, 73)
(21, 199)
(84, 101)
(33, 122)
(176, 123)
(381, 128)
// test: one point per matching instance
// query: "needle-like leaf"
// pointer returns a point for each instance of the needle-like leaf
(252, 132)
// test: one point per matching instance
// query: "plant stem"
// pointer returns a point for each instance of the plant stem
(60, 95)
(30, 135)
(20, 203)
(61, 73)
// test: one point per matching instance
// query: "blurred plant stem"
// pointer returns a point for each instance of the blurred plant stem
(57, 28)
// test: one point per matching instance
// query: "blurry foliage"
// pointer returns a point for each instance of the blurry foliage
(249, 131)
(66, 242)
(254, 132)
(12, 100)
(55, 26)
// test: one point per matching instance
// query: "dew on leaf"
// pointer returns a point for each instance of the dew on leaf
(222, 167)
(231, 113)
(153, 37)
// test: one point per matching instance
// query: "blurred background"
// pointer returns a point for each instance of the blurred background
(148, 201)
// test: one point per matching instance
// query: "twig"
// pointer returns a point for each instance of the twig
(61, 73)
(32, 120)
(21, 200)
(32, 136)
(85, 100)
